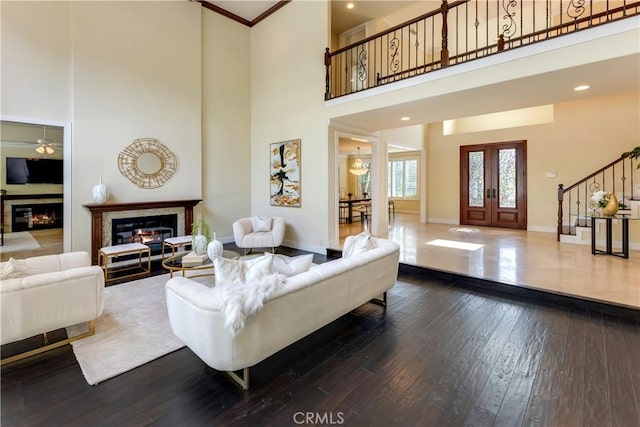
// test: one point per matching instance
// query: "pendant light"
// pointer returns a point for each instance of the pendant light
(44, 145)
(358, 168)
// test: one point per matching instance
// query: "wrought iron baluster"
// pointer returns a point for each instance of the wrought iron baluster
(575, 9)
(509, 28)
(394, 64)
(362, 67)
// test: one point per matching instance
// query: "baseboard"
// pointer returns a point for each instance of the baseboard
(305, 247)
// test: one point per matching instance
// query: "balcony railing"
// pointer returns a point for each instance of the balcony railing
(458, 32)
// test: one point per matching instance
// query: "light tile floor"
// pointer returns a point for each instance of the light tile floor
(523, 258)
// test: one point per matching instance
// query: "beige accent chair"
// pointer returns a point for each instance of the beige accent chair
(55, 291)
(259, 232)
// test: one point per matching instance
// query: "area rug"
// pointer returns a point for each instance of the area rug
(18, 241)
(132, 330)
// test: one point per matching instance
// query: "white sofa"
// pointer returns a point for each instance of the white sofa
(305, 303)
(59, 291)
(247, 237)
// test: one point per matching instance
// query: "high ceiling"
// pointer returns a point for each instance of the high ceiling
(246, 9)
(618, 75)
(342, 18)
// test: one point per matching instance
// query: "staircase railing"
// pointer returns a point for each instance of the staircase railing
(458, 32)
(574, 202)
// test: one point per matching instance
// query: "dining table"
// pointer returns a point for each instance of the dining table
(350, 202)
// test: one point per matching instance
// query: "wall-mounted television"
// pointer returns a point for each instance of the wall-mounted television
(22, 170)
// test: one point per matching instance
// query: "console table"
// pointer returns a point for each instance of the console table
(624, 253)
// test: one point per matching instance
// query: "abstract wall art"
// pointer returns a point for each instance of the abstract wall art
(285, 173)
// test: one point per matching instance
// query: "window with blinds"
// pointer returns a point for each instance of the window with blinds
(402, 178)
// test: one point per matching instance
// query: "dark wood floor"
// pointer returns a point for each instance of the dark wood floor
(440, 355)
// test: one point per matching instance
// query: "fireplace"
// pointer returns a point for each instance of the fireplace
(149, 230)
(103, 214)
(36, 216)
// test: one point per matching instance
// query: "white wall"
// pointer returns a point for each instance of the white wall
(287, 102)
(117, 71)
(136, 73)
(409, 136)
(36, 59)
(226, 122)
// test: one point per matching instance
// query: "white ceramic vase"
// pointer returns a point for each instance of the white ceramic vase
(214, 249)
(100, 193)
(199, 243)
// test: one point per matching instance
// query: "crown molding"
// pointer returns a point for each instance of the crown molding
(240, 19)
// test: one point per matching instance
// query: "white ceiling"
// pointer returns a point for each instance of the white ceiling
(342, 19)
(14, 134)
(247, 9)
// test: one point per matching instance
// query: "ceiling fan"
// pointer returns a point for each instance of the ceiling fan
(45, 146)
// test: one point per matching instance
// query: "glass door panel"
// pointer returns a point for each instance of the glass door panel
(476, 179)
(507, 178)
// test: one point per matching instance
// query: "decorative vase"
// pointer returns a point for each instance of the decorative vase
(214, 248)
(100, 193)
(199, 243)
(612, 206)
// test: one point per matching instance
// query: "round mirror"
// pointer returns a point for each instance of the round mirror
(149, 163)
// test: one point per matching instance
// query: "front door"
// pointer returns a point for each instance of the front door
(493, 185)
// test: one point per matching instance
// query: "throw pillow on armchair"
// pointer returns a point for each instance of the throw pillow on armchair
(261, 223)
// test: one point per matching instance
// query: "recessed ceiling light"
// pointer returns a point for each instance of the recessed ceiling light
(405, 118)
(349, 5)
(359, 139)
(581, 87)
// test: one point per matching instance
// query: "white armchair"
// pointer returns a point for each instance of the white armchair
(259, 232)
(46, 293)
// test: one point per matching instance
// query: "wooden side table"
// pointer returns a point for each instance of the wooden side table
(104, 254)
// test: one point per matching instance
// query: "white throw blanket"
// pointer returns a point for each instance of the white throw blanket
(238, 301)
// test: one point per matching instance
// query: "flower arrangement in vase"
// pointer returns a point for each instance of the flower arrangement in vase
(608, 202)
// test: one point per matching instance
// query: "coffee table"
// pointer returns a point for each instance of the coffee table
(174, 264)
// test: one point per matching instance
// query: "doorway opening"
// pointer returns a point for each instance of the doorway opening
(42, 201)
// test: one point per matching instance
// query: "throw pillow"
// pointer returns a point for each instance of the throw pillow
(291, 266)
(261, 224)
(239, 272)
(357, 244)
(15, 269)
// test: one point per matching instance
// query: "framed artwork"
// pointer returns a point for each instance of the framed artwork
(285, 173)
